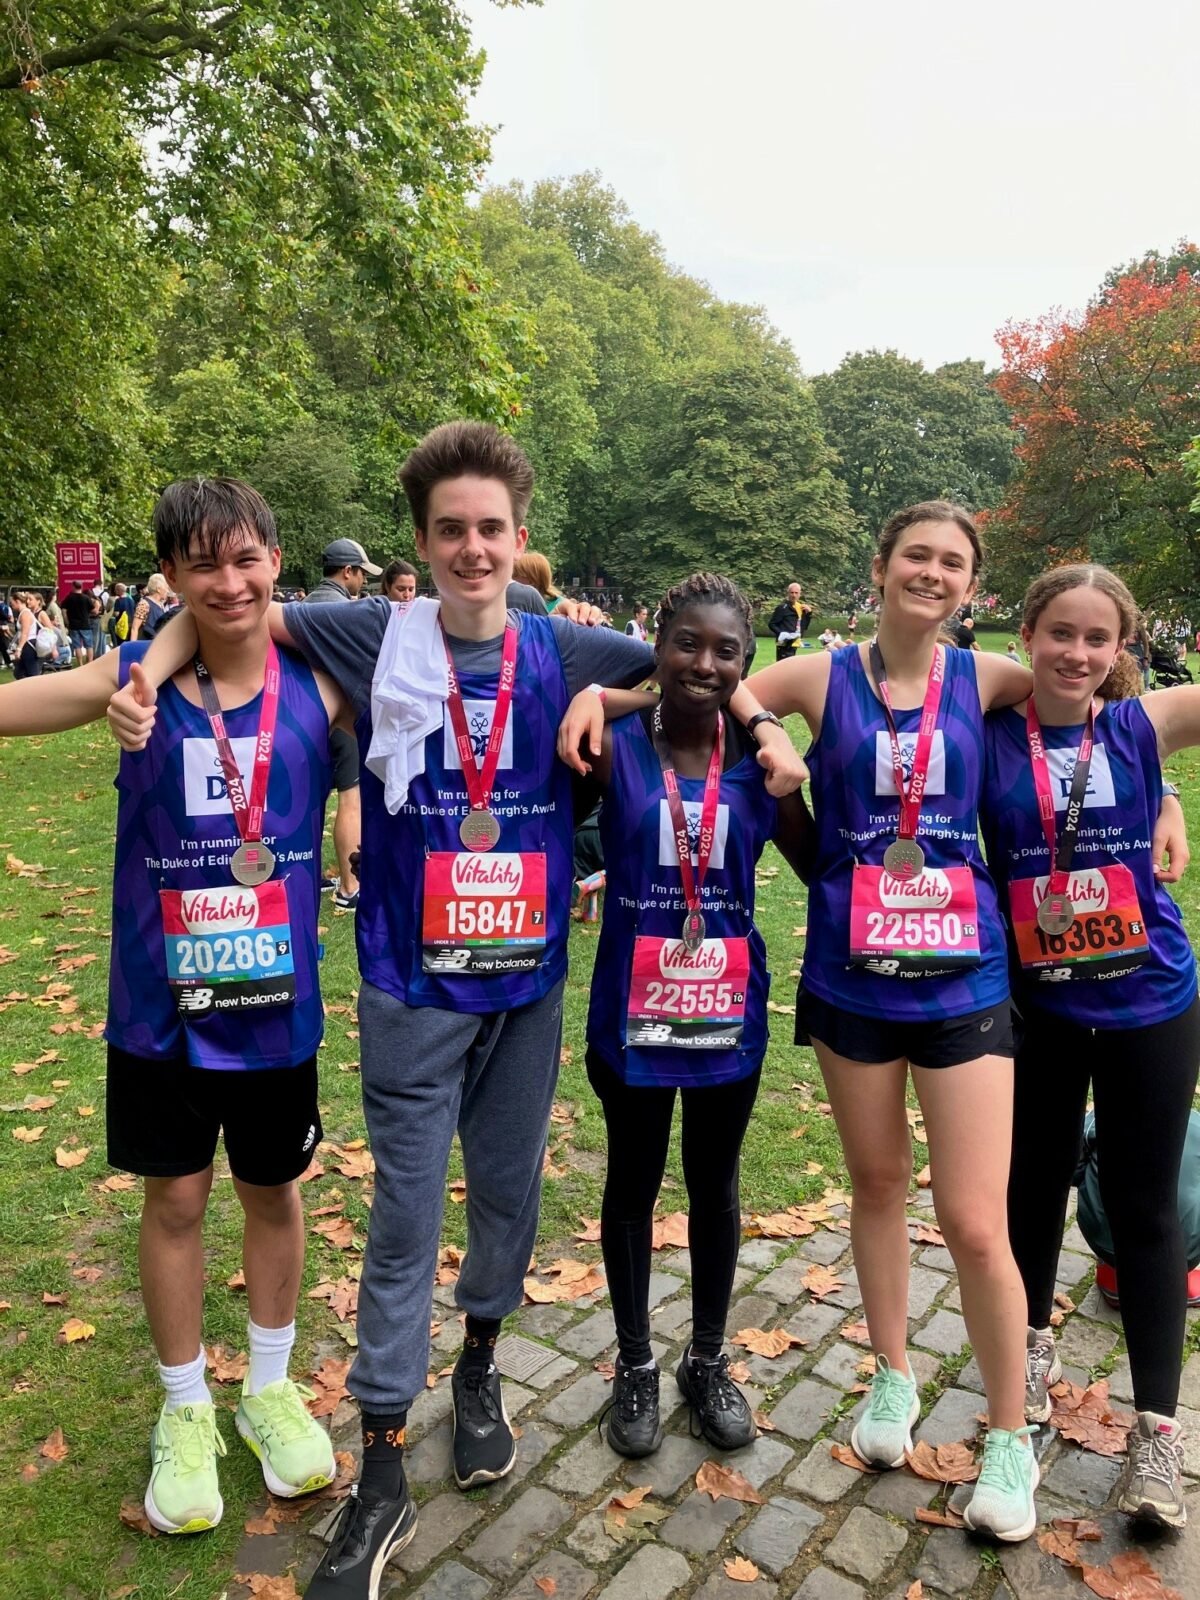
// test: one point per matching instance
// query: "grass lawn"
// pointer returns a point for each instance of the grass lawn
(69, 1247)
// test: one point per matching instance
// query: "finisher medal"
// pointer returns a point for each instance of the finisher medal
(252, 863)
(693, 931)
(479, 830)
(1056, 913)
(693, 877)
(904, 859)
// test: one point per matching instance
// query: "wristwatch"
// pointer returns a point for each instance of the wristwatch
(762, 716)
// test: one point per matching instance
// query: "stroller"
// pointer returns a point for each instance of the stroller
(1166, 668)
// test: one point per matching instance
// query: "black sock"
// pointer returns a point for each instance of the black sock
(479, 1340)
(383, 1453)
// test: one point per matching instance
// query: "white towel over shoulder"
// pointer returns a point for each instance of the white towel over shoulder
(408, 697)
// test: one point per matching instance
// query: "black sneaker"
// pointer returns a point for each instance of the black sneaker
(717, 1403)
(484, 1447)
(633, 1425)
(368, 1531)
(328, 884)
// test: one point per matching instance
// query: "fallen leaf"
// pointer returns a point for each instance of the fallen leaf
(763, 1422)
(948, 1463)
(927, 1233)
(671, 1230)
(1056, 1542)
(914, 1590)
(55, 1448)
(358, 1164)
(857, 1333)
(606, 1370)
(769, 1343)
(940, 1519)
(226, 1366)
(591, 1231)
(458, 1191)
(336, 1231)
(739, 1371)
(118, 1183)
(779, 1225)
(266, 1524)
(29, 1472)
(87, 1274)
(25, 1135)
(631, 1497)
(263, 1587)
(740, 1570)
(70, 1158)
(546, 1293)
(1080, 1528)
(73, 1330)
(313, 1170)
(1128, 1576)
(85, 1111)
(568, 1271)
(1085, 1417)
(329, 1380)
(236, 1280)
(844, 1454)
(637, 1523)
(53, 1299)
(820, 1281)
(133, 1515)
(39, 1102)
(723, 1483)
(548, 1586)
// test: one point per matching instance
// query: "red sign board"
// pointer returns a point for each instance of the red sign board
(79, 561)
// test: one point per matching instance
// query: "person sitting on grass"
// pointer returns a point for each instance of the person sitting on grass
(212, 1028)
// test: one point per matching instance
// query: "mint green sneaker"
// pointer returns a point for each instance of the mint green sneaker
(1002, 1504)
(883, 1433)
(182, 1495)
(292, 1446)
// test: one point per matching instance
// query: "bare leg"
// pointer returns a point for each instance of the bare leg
(347, 835)
(272, 1250)
(968, 1118)
(171, 1258)
(868, 1106)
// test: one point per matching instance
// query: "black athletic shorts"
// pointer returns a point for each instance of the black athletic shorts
(164, 1118)
(343, 750)
(941, 1042)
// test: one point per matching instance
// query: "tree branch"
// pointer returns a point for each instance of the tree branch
(152, 33)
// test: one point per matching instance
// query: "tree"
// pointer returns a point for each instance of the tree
(308, 478)
(740, 480)
(904, 434)
(1107, 402)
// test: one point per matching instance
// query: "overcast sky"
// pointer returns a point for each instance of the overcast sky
(872, 173)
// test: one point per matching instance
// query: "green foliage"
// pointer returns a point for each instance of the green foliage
(905, 434)
(309, 479)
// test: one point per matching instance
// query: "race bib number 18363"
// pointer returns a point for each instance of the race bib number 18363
(1106, 939)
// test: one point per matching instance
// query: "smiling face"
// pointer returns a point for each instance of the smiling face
(1072, 647)
(929, 574)
(699, 659)
(470, 544)
(227, 590)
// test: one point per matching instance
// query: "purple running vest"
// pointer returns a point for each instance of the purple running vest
(1121, 804)
(857, 813)
(175, 830)
(644, 895)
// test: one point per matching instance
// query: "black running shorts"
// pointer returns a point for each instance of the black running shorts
(940, 1042)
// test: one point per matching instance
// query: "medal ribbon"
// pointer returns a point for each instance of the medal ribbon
(481, 780)
(693, 878)
(1062, 851)
(247, 814)
(911, 794)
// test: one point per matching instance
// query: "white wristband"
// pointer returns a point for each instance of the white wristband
(598, 689)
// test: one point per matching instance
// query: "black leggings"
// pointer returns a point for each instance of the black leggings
(639, 1129)
(1142, 1082)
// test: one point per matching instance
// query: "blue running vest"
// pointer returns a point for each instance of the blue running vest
(644, 895)
(175, 830)
(857, 814)
(1120, 808)
(531, 801)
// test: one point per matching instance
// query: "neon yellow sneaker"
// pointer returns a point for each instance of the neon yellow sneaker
(182, 1495)
(292, 1446)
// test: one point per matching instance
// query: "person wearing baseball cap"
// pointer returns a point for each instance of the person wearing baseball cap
(346, 569)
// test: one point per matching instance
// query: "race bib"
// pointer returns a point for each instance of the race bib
(692, 1000)
(484, 913)
(228, 949)
(913, 928)
(1107, 938)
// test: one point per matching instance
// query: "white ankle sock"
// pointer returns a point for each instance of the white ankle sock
(270, 1350)
(185, 1384)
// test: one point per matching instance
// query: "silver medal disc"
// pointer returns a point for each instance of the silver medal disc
(904, 859)
(693, 932)
(479, 830)
(252, 863)
(1056, 913)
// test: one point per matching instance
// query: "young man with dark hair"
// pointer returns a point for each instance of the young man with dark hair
(214, 1009)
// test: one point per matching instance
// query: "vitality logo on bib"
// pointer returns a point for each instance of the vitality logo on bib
(1088, 890)
(928, 891)
(675, 960)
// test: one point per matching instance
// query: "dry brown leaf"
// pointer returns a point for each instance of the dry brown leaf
(591, 1231)
(927, 1233)
(631, 1497)
(73, 1330)
(1081, 1528)
(25, 1135)
(358, 1164)
(606, 1370)
(948, 1463)
(844, 1454)
(820, 1281)
(118, 1183)
(763, 1422)
(1056, 1542)
(770, 1343)
(722, 1483)
(740, 1570)
(546, 1293)
(87, 1274)
(779, 1225)
(857, 1333)
(51, 1298)
(54, 1448)
(39, 1102)
(1128, 1576)
(236, 1280)
(70, 1158)
(924, 1178)
(263, 1587)
(329, 1380)
(568, 1271)
(739, 1372)
(226, 1366)
(29, 1472)
(670, 1230)
(940, 1519)
(336, 1231)
(133, 1515)
(266, 1524)
(313, 1170)
(914, 1590)
(1086, 1417)
(458, 1191)
(548, 1586)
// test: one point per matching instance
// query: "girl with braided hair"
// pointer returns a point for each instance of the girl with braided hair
(679, 993)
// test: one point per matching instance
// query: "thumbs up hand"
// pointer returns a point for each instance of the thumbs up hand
(132, 710)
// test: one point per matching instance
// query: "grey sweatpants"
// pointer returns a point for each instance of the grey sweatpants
(426, 1072)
